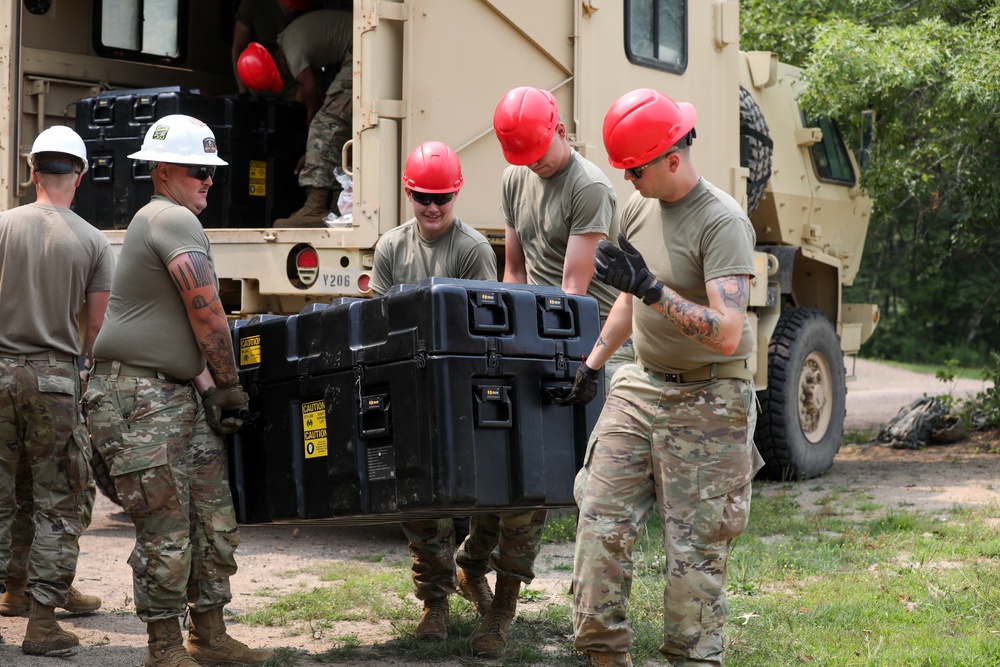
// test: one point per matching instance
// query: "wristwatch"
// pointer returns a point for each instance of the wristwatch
(653, 294)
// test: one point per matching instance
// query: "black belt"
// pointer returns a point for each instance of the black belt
(130, 370)
(730, 369)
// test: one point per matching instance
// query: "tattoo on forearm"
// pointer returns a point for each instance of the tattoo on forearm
(734, 291)
(601, 342)
(193, 273)
(218, 350)
(698, 323)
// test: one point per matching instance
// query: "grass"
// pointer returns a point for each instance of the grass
(807, 586)
(932, 369)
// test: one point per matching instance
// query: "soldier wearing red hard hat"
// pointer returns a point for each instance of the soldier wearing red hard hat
(676, 432)
(261, 21)
(435, 243)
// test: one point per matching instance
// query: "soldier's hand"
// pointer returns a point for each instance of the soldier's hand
(622, 268)
(223, 406)
(584, 387)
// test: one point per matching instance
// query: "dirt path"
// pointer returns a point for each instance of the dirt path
(278, 559)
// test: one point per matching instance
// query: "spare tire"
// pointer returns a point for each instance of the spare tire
(756, 149)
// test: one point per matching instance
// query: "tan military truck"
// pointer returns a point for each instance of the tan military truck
(435, 69)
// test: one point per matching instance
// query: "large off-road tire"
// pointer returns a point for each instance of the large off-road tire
(756, 149)
(102, 476)
(803, 408)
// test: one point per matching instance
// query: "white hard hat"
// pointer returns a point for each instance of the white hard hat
(179, 139)
(58, 139)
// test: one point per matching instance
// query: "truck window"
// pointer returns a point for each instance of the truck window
(656, 33)
(143, 30)
(830, 155)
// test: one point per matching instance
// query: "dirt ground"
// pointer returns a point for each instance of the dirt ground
(280, 559)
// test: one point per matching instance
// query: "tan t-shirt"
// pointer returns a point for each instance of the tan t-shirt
(403, 257)
(264, 17)
(545, 212)
(317, 39)
(49, 258)
(705, 235)
(146, 323)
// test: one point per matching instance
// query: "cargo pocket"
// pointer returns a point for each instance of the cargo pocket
(78, 455)
(143, 478)
(54, 384)
(724, 490)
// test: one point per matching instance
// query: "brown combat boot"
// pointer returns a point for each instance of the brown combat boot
(434, 624)
(44, 636)
(15, 603)
(491, 637)
(209, 644)
(312, 212)
(166, 645)
(475, 589)
(607, 659)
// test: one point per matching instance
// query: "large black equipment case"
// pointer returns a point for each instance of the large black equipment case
(433, 400)
(261, 140)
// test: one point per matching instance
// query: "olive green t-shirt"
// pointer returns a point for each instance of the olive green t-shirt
(545, 212)
(146, 322)
(705, 235)
(264, 17)
(318, 39)
(49, 258)
(402, 256)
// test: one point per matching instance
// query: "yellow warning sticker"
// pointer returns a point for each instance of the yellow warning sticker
(314, 428)
(249, 350)
(258, 178)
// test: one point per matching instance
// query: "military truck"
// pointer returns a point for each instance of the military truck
(435, 69)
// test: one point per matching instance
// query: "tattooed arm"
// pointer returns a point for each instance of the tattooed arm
(720, 325)
(615, 331)
(192, 274)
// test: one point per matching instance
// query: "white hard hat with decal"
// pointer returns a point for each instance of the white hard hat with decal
(179, 139)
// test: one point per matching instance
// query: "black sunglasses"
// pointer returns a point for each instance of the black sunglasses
(637, 171)
(200, 172)
(426, 198)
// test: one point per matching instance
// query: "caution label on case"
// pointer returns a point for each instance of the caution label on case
(258, 178)
(249, 350)
(314, 429)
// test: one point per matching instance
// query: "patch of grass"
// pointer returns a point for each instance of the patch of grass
(858, 436)
(560, 527)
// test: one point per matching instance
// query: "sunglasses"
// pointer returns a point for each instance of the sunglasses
(200, 172)
(426, 198)
(637, 171)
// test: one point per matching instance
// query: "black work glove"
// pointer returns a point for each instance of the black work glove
(622, 268)
(225, 405)
(584, 387)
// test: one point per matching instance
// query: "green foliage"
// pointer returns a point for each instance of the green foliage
(983, 410)
(931, 72)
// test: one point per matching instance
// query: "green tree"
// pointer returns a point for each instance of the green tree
(930, 71)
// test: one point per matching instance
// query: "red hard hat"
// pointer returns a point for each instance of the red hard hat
(257, 69)
(524, 122)
(433, 168)
(643, 125)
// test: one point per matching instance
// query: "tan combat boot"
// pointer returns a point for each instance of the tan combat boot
(209, 644)
(312, 212)
(607, 659)
(491, 637)
(44, 636)
(15, 603)
(475, 589)
(166, 645)
(434, 624)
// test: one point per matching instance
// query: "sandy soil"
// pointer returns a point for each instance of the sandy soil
(279, 559)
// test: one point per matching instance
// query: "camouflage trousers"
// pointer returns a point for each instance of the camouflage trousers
(688, 449)
(508, 542)
(329, 130)
(432, 550)
(23, 531)
(171, 474)
(43, 438)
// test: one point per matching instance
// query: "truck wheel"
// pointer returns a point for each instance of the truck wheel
(756, 148)
(102, 476)
(802, 411)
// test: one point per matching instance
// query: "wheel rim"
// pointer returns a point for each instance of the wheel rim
(815, 394)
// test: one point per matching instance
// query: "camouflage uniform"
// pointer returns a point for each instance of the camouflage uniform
(511, 540)
(329, 130)
(689, 449)
(40, 424)
(432, 543)
(172, 477)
